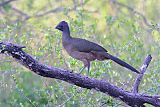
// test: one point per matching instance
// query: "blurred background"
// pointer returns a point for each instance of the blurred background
(128, 29)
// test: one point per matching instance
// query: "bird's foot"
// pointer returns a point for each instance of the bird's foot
(71, 71)
(81, 70)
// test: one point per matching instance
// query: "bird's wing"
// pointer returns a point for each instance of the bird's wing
(83, 45)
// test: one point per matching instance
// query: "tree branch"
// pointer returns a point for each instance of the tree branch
(6, 2)
(58, 9)
(140, 76)
(131, 99)
(26, 16)
(38, 14)
(138, 13)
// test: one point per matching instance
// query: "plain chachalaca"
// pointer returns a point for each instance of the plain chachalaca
(85, 50)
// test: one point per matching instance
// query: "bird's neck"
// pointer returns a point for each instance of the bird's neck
(66, 35)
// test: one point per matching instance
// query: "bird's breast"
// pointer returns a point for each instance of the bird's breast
(68, 47)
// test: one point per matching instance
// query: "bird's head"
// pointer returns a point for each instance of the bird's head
(62, 26)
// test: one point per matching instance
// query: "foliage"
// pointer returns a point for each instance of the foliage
(122, 32)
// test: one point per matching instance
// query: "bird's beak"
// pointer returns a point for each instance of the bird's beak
(56, 27)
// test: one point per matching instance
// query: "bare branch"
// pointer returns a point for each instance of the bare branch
(138, 13)
(140, 76)
(38, 14)
(75, 4)
(58, 9)
(6, 2)
(42, 13)
(26, 16)
(61, 9)
(131, 99)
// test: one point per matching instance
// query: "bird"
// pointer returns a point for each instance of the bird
(86, 51)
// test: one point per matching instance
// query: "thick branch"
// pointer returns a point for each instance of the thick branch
(140, 76)
(134, 100)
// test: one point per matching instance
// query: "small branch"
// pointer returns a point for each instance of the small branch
(131, 99)
(140, 76)
(58, 9)
(138, 13)
(26, 16)
(42, 13)
(6, 2)
(37, 14)
(75, 4)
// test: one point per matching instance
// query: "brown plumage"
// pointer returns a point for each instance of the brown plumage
(85, 50)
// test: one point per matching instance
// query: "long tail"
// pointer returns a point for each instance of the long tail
(120, 62)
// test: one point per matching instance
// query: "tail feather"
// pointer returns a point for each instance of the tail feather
(122, 63)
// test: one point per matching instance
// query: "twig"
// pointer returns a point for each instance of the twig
(138, 13)
(38, 14)
(58, 9)
(140, 76)
(6, 2)
(26, 16)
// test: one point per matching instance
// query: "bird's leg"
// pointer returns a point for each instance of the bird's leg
(85, 62)
(88, 67)
(81, 70)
